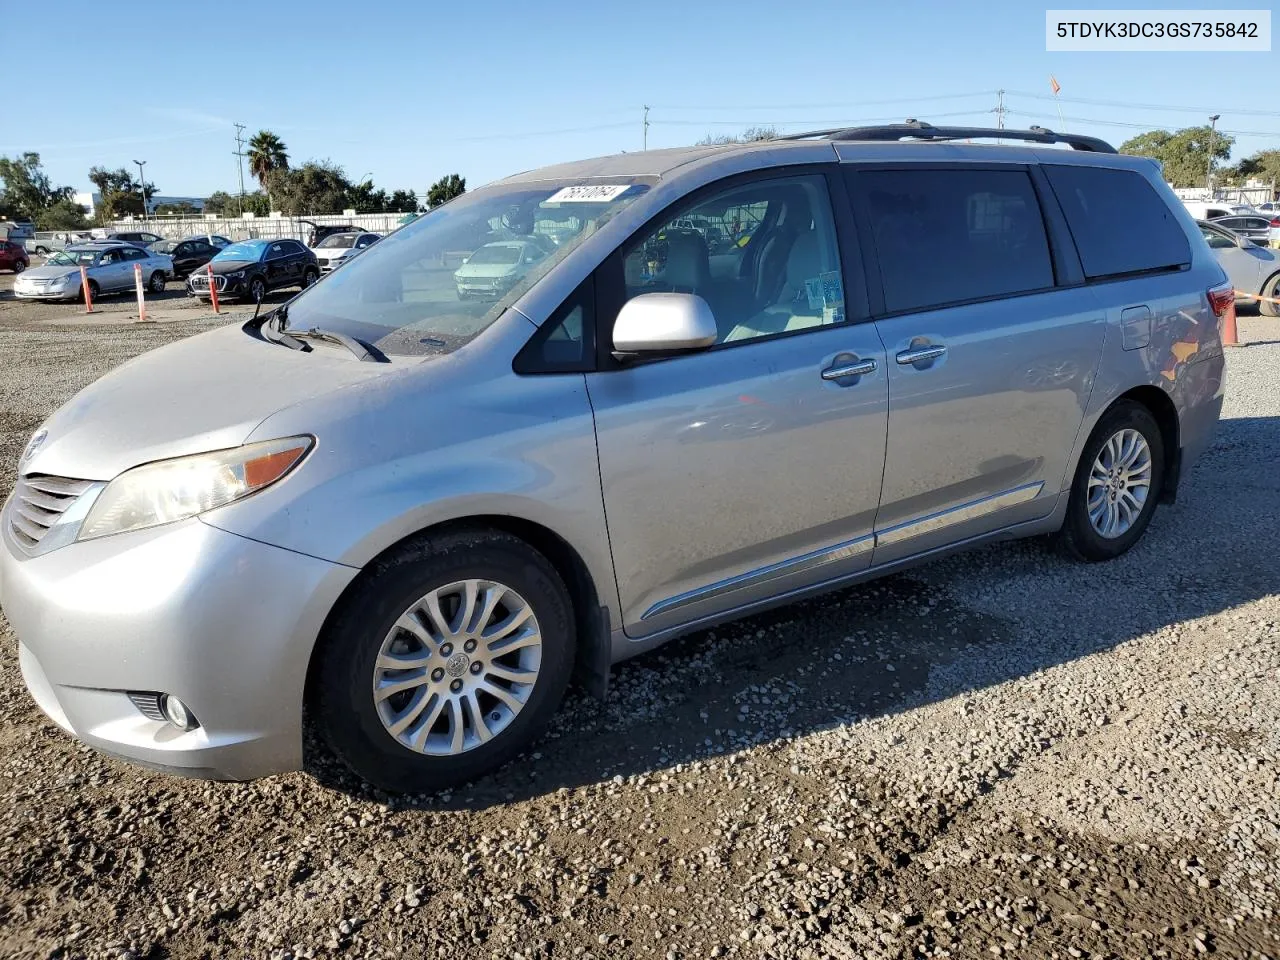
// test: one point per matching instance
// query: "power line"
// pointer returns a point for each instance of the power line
(832, 104)
(1138, 126)
(1242, 111)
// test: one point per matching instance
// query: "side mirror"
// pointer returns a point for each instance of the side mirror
(655, 323)
(1244, 242)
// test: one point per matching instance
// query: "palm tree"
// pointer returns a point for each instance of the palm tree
(267, 154)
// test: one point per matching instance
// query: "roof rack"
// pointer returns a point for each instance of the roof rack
(919, 130)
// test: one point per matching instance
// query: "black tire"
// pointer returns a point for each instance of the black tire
(1078, 538)
(309, 277)
(19, 266)
(43, 251)
(1270, 289)
(257, 289)
(157, 282)
(93, 291)
(342, 680)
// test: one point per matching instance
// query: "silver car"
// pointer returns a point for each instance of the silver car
(1251, 268)
(417, 516)
(109, 267)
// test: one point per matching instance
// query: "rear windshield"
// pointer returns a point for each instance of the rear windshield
(1119, 223)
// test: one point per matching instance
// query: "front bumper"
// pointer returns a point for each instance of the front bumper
(44, 293)
(227, 286)
(225, 623)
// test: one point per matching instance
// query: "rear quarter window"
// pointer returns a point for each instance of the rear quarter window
(1120, 224)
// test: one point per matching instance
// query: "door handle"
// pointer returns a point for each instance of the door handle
(857, 368)
(920, 354)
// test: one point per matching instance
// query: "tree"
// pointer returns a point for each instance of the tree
(402, 201)
(1184, 154)
(318, 186)
(364, 199)
(63, 214)
(1263, 165)
(445, 189)
(182, 209)
(120, 194)
(225, 204)
(750, 135)
(267, 154)
(27, 189)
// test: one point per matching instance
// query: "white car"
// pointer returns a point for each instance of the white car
(337, 248)
(108, 266)
(496, 267)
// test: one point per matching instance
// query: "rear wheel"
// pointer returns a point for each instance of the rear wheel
(43, 251)
(93, 291)
(450, 658)
(157, 282)
(1270, 289)
(1117, 484)
(19, 266)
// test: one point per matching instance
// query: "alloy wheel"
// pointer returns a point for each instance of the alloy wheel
(1119, 483)
(457, 667)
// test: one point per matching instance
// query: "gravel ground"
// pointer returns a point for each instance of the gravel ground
(1002, 754)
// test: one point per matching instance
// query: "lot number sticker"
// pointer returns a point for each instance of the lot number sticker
(588, 193)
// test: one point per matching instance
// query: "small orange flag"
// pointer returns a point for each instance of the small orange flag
(1053, 85)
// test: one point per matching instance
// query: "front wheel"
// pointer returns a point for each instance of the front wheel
(447, 660)
(157, 282)
(1270, 289)
(1117, 484)
(257, 289)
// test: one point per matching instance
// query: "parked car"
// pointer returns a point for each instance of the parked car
(1250, 268)
(109, 267)
(13, 256)
(17, 230)
(140, 237)
(251, 269)
(1264, 230)
(496, 267)
(318, 232)
(337, 248)
(46, 241)
(189, 253)
(415, 517)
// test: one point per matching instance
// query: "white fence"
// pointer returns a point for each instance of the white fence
(257, 228)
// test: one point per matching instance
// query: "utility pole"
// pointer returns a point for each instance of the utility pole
(1000, 110)
(645, 141)
(240, 162)
(142, 187)
(1208, 177)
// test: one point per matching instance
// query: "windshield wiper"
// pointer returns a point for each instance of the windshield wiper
(272, 333)
(361, 350)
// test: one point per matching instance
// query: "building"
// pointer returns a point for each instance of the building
(91, 200)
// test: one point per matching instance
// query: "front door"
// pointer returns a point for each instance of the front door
(277, 265)
(751, 469)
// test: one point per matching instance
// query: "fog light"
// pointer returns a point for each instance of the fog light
(177, 713)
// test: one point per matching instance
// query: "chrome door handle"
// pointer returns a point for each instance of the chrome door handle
(920, 354)
(856, 369)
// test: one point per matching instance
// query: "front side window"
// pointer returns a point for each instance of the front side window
(276, 251)
(1119, 223)
(134, 254)
(947, 236)
(436, 283)
(1216, 239)
(762, 255)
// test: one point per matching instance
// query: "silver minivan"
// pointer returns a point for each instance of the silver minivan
(417, 516)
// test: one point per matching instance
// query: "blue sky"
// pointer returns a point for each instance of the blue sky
(409, 91)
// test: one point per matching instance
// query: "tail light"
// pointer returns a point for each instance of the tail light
(1221, 299)
(1275, 221)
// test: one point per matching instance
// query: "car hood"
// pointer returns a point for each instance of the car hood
(331, 253)
(207, 392)
(231, 266)
(48, 272)
(484, 271)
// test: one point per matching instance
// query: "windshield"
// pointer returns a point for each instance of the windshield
(406, 295)
(337, 240)
(164, 246)
(496, 253)
(245, 250)
(72, 258)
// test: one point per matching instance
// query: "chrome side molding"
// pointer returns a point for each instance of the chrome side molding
(959, 514)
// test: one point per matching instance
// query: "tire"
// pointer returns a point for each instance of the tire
(19, 266)
(94, 291)
(157, 282)
(1079, 536)
(309, 277)
(257, 289)
(42, 251)
(1270, 289)
(349, 650)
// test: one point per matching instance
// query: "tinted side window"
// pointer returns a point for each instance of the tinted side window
(1216, 239)
(945, 236)
(1119, 223)
(135, 254)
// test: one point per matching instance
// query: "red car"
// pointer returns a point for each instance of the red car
(13, 256)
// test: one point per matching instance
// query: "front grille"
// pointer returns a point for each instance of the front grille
(38, 501)
(323, 261)
(148, 704)
(202, 280)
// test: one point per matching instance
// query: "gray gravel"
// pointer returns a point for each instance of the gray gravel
(1003, 754)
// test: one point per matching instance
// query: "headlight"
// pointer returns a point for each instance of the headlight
(170, 490)
(235, 274)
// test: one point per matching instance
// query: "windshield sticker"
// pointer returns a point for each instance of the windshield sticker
(589, 193)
